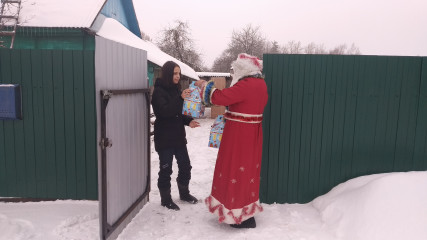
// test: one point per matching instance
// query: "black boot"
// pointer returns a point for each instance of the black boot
(166, 199)
(248, 223)
(184, 194)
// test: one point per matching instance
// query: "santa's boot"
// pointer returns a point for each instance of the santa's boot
(248, 223)
(184, 194)
(166, 199)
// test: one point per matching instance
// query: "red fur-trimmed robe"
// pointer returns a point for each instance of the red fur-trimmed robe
(235, 188)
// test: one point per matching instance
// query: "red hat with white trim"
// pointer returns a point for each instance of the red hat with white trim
(245, 65)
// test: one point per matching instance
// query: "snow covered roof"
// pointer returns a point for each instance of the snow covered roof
(111, 29)
(59, 13)
(213, 74)
(87, 14)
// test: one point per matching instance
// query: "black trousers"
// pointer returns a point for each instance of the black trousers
(166, 160)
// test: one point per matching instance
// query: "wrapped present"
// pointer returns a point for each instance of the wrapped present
(215, 135)
(193, 105)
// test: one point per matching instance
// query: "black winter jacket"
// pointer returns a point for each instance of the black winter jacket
(167, 105)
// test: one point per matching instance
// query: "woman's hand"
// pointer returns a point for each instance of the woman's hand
(194, 124)
(186, 93)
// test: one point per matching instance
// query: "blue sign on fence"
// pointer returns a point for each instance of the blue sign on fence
(10, 102)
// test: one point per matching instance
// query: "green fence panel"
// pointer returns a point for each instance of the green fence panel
(28, 120)
(58, 95)
(49, 116)
(10, 176)
(79, 111)
(39, 126)
(306, 133)
(18, 127)
(284, 137)
(90, 123)
(3, 178)
(51, 152)
(69, 115)
(269, 170)
(333, 118)
(420, 146)
(394, 86)
(319, 74)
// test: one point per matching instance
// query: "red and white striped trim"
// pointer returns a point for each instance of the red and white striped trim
(243, 117)
(232, 216)
(212, 91)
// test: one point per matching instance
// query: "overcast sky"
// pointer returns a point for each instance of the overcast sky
(377, 27)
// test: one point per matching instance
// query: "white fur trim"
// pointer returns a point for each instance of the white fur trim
(235, 212)
(236, 78)
(233, 81)
(210, 96)
(244, 114)
(236, 120)
(245, 65)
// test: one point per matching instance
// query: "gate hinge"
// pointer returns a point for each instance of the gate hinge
(105, 142)
(106, 94)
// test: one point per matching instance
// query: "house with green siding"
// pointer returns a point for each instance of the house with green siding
(65, 53)
(50, 24)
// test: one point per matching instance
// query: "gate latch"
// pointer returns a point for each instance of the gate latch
(105, 142)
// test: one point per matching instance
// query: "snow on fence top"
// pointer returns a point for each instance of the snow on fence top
(111, 29)
(86, 14)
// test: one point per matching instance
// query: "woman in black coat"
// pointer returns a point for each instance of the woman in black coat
(169, 134)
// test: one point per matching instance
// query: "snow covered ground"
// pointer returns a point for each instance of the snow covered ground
(390, 206)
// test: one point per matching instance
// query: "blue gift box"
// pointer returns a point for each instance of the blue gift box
(10, 101)
(215, 135)
(193, 105)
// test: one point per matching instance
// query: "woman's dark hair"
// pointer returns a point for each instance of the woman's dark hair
(167, 74)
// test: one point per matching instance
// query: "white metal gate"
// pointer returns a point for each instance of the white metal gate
(123, 134)
(125, 154)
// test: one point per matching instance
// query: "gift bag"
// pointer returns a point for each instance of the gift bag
(215, 135)
(193, 105)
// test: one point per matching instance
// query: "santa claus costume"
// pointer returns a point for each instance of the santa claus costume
(235, 188)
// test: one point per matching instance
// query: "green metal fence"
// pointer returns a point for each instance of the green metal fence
(51, 152)
(333, 118)
(50, 38)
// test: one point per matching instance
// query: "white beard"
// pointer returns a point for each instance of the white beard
(234, 81)
(237, 76)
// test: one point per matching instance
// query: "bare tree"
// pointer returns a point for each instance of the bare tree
(338, 50)
(320, 49)
(248, 40)
(293, 47)
(272, 47)
(353, 50)
(310, 48)
(313, 48)
(176, 41)
(223, 62)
